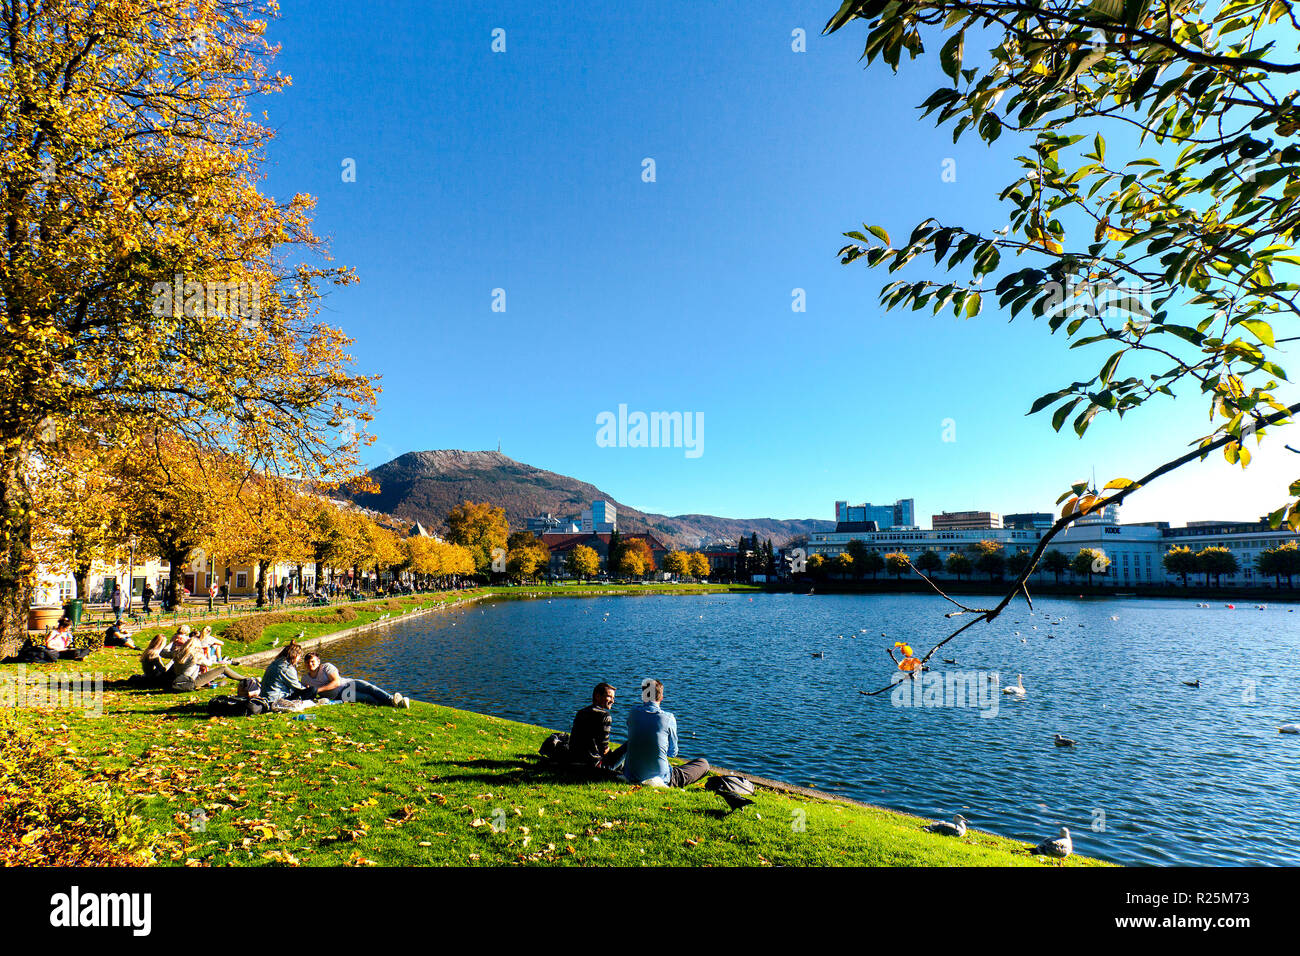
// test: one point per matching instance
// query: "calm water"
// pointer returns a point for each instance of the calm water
(1182, 775)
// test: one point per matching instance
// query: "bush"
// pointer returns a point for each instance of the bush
(50, 817)
(246, 630)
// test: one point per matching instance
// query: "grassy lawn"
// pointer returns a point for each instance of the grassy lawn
(356, 785)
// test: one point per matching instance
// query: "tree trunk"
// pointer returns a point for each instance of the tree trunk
(175, 576)
(261, 583)
(16, 559)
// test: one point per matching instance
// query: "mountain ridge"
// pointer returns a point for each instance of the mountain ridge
(424, 485)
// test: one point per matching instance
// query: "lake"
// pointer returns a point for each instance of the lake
(1161, 773)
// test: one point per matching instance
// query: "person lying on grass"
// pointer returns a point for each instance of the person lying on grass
(188, 672)
(652, 739)
(325, 680)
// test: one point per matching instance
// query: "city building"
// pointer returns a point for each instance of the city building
(901, 514)
(600, 518)
(1029, 521)
(957, 520)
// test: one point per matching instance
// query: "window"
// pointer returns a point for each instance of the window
(241, 580)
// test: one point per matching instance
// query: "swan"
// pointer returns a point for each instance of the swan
(1018, 688)
(955, 829)
(1060, 847)
(1289, 729)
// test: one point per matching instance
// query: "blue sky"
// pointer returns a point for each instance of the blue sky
(522, 171)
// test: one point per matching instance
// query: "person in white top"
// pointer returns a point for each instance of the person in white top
(58, 645)
(349, 690)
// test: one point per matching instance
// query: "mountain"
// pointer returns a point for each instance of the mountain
(424, 485)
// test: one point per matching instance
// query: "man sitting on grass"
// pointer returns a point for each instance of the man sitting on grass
(348, 690)
(652, 739)
(589, 738)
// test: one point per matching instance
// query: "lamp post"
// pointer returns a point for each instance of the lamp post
(130, 576)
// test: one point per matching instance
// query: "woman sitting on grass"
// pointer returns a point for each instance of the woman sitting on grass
(151, 665)
(325, 680)
(188, 671)
(280, 681)
(212, 648)
(58, 646)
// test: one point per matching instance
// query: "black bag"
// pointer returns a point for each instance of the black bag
(250, 687)
(733, 789)
(555, 747)
(224, 705)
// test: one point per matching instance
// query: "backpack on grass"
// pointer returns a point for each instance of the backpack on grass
(226, 705)
(555, 747)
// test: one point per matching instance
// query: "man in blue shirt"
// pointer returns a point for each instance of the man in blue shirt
(652, 739)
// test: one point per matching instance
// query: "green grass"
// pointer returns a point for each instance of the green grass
(358, 785)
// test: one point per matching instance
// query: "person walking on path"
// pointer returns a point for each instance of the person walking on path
(652, 739)
(146, 596)
(116, 603)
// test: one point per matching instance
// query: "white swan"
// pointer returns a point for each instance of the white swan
(955, 829)
(1061, 847)
(1018, 688)
(1289, 729)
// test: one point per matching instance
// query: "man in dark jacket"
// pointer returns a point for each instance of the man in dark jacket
(589, 738)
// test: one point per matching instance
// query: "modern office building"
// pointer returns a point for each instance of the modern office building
(1029, 520)
(901, 514)
(958, 520)
(600, 518)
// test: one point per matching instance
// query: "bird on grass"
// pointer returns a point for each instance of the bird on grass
(1060, 847)
(1063, 741)
(955, 829)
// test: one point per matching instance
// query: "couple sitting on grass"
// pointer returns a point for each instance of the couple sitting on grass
(320, 680)
(651, 740)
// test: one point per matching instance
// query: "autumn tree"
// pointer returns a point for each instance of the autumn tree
(1216, 561)
(144, 276)
(958, 564)
(897, 564)
(481, 528)
(266, 522)
(640, 547)
(526, 555)
(582, 562)
(1089, 561)
(1281, 562)
(178, 498)
(700, 568)
(677, 563)
(1180, 561)
(80, 517)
